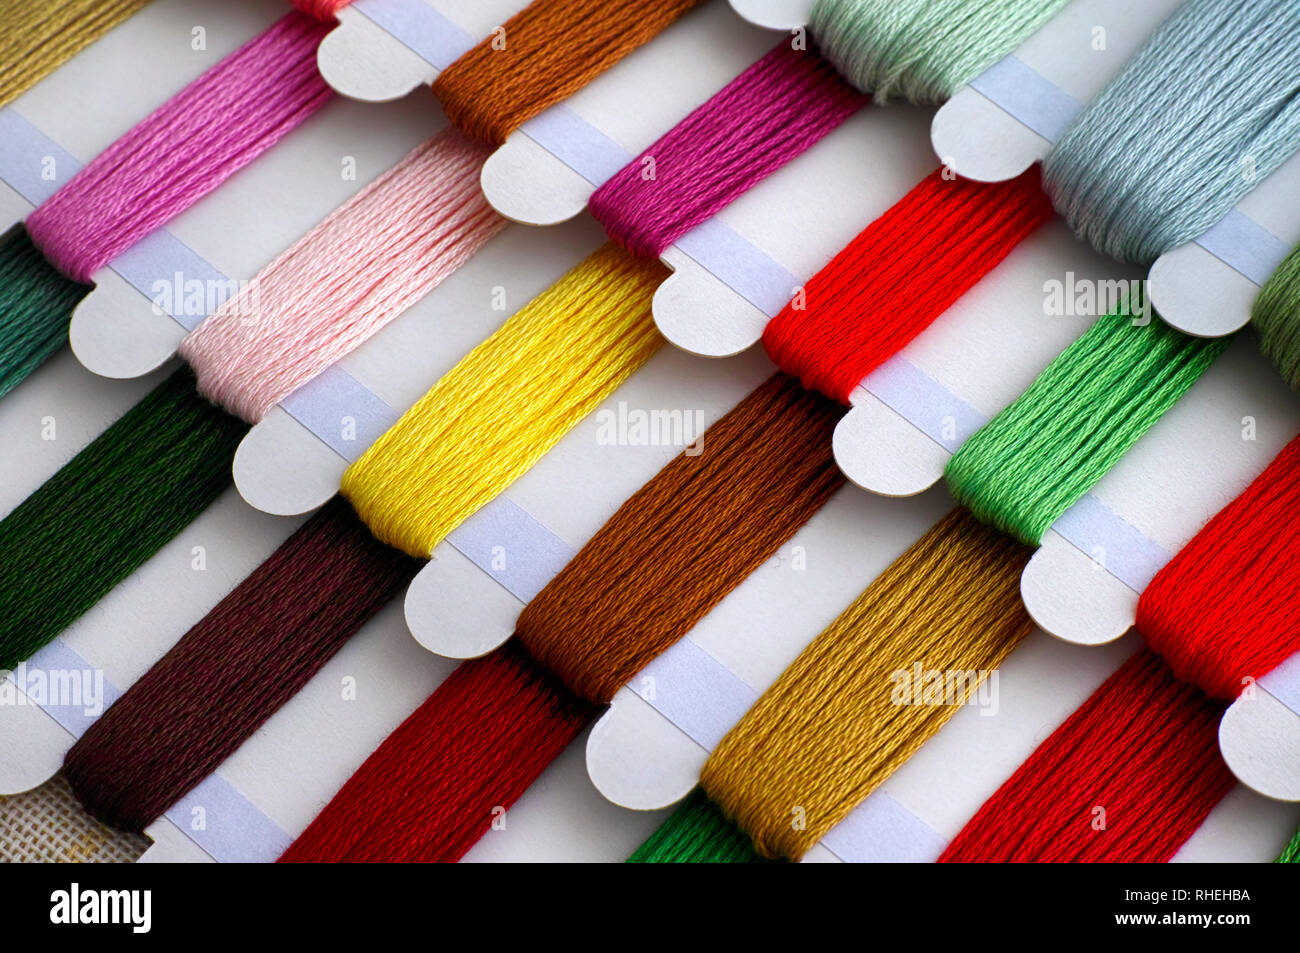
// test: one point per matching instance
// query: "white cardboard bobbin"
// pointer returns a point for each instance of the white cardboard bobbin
(1007, 118)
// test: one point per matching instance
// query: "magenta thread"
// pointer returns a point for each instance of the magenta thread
(779, 107)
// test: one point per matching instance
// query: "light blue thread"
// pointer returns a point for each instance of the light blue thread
(1207, 109)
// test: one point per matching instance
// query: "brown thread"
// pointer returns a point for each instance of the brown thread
(830, 730)
(548, 51)
(686, 539)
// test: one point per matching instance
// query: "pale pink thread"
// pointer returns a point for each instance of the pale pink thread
(373, 258)
(191, 144)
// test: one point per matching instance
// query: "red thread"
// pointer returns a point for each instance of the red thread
(1227, 607)
(323, 10)
(1127, 778)
(432, 789)
(899, 274)
(670, 553)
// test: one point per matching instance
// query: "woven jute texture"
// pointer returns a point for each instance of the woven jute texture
(47, 825)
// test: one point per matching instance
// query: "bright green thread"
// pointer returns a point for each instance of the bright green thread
(1029, 464)
(922, 51)
(36, 305)
(1291, 853)
(697, 833)
(112, 507)
(1275, 315)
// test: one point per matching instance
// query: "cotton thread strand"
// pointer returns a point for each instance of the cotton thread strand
(442, 767)
(772, 112)
(898, 275)
(41, 35)
(697, 833)
(1276, 316)
(508, 401)
(36, 305)
(1144, 748)
(324, 10)
(951, 603)
(1206, 109)
(235, 668)
(543, 54)
(1224, 610)
(922, 51)
(187, 147)
(1291, 853)
(114, 505)
(685, 539)
(1037, 457)
(428, 793)
(369, 261)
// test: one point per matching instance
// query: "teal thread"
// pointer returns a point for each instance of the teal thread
(1029, 464)
(1209, 107)
(922, 51)
(36, 304)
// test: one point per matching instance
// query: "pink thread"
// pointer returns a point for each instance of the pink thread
(369, 261)
(769, 114)
(323, 10)
(186, 148)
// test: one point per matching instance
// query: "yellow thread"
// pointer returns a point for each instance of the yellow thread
(508, 401)
(832, 728)
(39, 36)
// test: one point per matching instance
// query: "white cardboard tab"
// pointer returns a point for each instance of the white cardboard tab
(1259, 738)
(464, 603)
(363, 60)
(33, 743)
(113, 336)
(724, 287)
(647, 750)
(640, 760)
(284, 469)
(774, 14)
(508, 176)
(1260, 734)
(993, 147)
(546, 170)
(233, 829)
(1007, 118)
(120, 329)
(881, 451)
(700, 312)
(1070, 595)
(1207, 287)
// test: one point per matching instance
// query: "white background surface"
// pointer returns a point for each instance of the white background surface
(299, 759)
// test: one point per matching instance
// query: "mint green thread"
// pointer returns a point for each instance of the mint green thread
(922, 51)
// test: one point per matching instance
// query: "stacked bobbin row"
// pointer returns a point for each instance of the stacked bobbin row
(913, 351)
